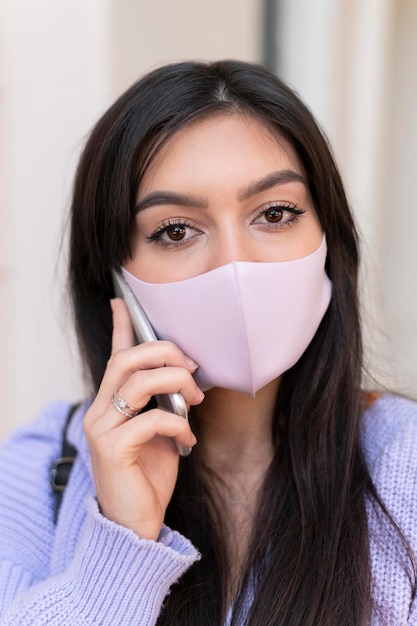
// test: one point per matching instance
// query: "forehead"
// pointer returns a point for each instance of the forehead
(218, 144)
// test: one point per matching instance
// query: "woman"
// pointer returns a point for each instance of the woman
(212, 188)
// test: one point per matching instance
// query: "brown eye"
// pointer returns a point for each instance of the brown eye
(273, 215)
(176, 232)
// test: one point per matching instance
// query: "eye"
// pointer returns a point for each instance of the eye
(278, 216)
(176, 232)
(173, 233)
(274, 215)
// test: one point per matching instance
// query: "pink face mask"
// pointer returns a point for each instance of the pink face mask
(244, 323)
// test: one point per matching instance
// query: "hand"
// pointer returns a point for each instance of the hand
(135, 461)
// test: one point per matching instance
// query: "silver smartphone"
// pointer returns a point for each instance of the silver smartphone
(173, 402)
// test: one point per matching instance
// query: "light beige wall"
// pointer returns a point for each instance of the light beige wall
(355, 63)
(52, 57)
(399, 198)
(61, 65)
(147, 34)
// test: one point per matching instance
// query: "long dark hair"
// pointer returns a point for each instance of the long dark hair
(309, 552)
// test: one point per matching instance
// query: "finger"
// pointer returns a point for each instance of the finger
(123, 336)
(144, 384)
(138, 390)
(147, 356)
(150, 355)
(142, 429)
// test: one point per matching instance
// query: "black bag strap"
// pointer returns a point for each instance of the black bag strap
(62, 466)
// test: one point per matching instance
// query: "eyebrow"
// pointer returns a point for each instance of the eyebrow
(157, 198)
(271, 180)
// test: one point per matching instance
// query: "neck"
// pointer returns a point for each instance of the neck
(234, 429)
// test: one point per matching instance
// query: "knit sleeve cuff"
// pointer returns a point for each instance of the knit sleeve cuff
(114, 578)
(124, 578)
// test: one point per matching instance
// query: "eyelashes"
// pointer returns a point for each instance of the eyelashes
(280, 214)
(179, 231)
(173, 232)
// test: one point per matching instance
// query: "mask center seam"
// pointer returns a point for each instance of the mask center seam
(243, 317)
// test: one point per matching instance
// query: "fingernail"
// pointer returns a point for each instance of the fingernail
(191, 364)
(194, 440)
(201, 394)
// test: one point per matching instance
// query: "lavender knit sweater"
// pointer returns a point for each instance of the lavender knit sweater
(88, 570)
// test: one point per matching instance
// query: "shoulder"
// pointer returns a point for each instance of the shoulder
(389, 428)
(37, 440)
(36, 444)
(389, 441)
(27, 454)
(26, 499)
(26, 457)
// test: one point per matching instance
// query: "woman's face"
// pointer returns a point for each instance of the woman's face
(222, 189)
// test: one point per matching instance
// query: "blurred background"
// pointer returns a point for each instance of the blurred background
(62, 64)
